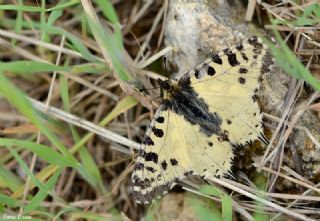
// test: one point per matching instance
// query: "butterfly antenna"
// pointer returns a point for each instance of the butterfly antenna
(165, 61)
(147, 89)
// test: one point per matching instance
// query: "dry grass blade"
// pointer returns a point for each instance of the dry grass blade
(265, 202)
(79, 122)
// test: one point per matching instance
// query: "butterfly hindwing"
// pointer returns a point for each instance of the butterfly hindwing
(179, 152)
(154, 174)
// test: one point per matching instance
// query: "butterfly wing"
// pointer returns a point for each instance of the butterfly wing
(172, 149)
(228, 81)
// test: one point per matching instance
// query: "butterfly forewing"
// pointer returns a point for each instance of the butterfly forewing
(230, 91)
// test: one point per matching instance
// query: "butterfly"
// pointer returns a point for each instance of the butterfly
(201, 118)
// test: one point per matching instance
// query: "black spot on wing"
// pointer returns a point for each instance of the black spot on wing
(164, 165)
(157, 132)
(139, 166)
(255, 98)
(211, 71)
(147, 182)
(151, 156)
(152, 192)
(210, 144)
(173, 162)
(243, 70)
(138, 182)
(196, 73)
(239, 46)
(188, 173)
(216, 59)
(160, 119)
(242, 80)
(232, 57)
(266, 63)
(151, 169)
(229, 121)
(255, 43)
(147, 141)
(223, 137)
(244, 57)
(253, 40)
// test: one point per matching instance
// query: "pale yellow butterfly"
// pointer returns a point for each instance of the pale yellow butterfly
(202, 117)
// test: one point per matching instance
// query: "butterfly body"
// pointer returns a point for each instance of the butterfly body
(181, 99)
(202, 116)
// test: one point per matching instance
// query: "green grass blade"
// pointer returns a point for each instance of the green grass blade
(91, 169)
(41, 195)
(21, 8)
(205, 214)
(287, 60)
(122, 106)
(64, 4)
(39, 9)
(75, 42)
(226, 200)
(43, 20)
(43, 175)
(25, 168)
(309, 17)
(89, 68)
(9, 179)
(108, 10)
(88, 163)
(30, 67)
(110, 13)
(260, 182)
(44, 152)
(64, 92)
(19, 19)
(226, 207)
(93, 216)
(18, 99)
(34, 67)
(109, 44)
(54, 15)
(7, 200)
